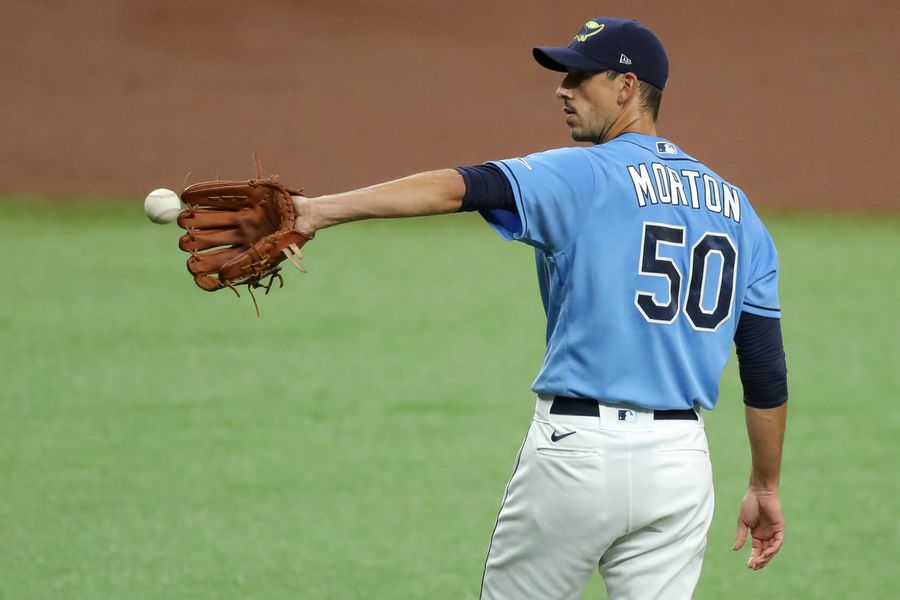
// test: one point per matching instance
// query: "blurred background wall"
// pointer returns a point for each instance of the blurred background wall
(796, 102)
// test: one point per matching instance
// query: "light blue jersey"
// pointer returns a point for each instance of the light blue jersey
(645, 259)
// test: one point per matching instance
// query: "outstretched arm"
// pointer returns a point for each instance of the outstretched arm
(760, 513)
(429, 193)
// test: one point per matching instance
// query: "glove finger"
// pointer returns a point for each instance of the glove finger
(222, 194)
(208, 283)
(263, 258)
(207, 218)
(196, 240)
(205, 263)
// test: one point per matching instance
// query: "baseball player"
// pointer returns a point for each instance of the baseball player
(650, 265)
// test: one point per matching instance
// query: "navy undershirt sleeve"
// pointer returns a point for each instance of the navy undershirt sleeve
(487, 188)
(760, 352)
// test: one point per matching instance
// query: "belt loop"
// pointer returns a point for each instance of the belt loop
(542, 407)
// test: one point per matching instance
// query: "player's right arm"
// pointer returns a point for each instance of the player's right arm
(763, 372)
(760, 513)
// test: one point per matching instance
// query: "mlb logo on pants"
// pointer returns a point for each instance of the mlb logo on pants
(627, 415)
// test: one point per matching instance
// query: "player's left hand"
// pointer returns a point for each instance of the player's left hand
(238, 232)
(303, 223)
(762, 517)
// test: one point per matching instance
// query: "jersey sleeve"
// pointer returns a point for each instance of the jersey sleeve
(761, 297)
(552, 190)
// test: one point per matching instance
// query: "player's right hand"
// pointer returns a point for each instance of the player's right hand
(760, 515)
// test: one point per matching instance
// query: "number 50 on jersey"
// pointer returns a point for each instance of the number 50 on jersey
(724, 271)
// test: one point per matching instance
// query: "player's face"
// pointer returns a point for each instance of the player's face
(590, 103)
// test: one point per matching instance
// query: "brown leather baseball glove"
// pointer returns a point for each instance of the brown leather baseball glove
(238, 232)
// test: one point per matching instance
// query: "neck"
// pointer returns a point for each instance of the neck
(641, 123)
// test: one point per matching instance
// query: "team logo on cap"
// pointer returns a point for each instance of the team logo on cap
(590, 28)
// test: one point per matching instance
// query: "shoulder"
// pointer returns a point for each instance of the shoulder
(567, 155)
(549, 165)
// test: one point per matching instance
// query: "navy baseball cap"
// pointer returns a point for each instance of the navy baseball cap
(623, 45)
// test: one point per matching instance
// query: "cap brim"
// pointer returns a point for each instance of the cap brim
(563, 59)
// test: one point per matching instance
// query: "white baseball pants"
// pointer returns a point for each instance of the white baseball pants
(632, 497)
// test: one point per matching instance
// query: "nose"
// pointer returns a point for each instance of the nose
(564, 90)
(563, 93)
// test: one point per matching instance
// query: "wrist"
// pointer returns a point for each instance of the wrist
(305, 222)
(763, 485)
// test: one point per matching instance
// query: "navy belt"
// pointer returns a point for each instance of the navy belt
(586, 407)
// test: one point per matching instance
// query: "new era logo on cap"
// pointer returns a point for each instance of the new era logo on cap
(624, 60)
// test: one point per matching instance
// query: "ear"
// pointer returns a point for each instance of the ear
(629, 87)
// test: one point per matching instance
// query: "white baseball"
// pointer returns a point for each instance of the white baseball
(162, 206)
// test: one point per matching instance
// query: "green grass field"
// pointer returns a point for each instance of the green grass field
(157, 441)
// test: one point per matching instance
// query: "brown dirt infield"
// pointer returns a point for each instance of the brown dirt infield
(794, 101)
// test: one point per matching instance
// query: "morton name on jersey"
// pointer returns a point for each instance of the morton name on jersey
(645, 260)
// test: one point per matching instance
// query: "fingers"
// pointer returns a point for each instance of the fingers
(770, 549)
(755, 551)
(757, 562)
(764, 550)
(741, 535)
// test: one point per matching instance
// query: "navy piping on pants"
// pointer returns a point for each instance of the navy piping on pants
(502, 504)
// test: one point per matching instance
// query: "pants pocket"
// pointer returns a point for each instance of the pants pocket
(563, 440)
(686, 451)
(555, 452)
